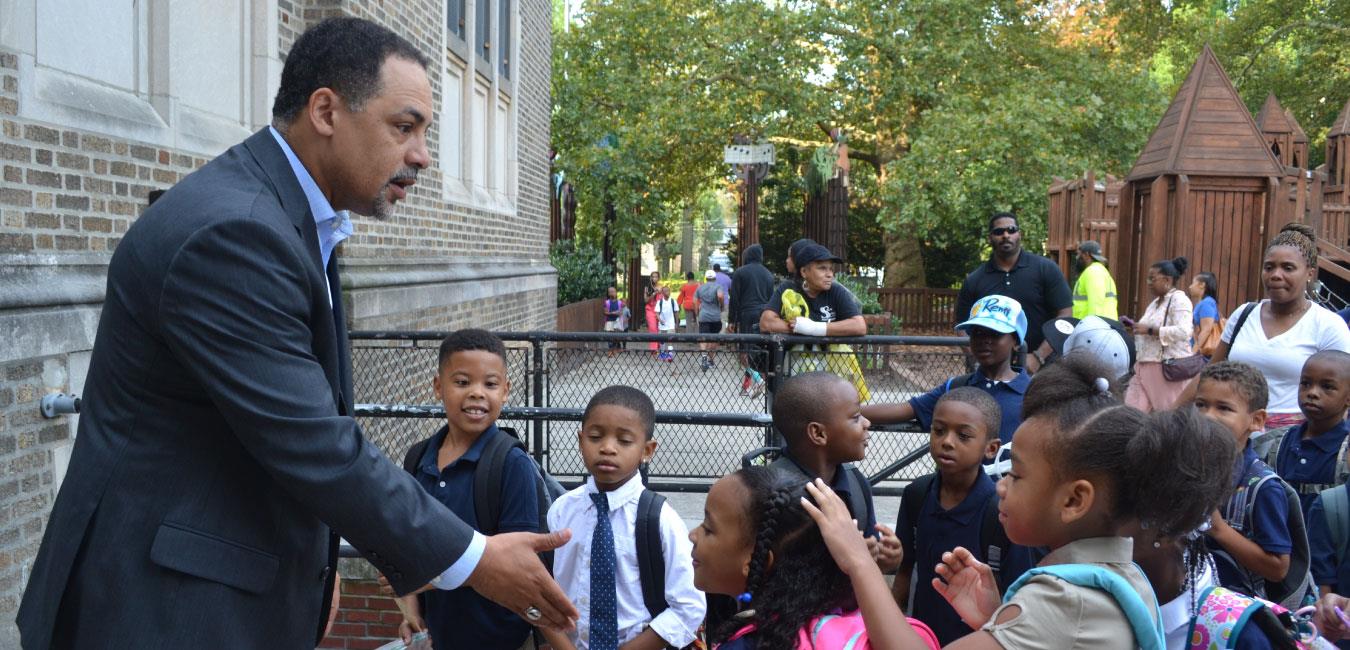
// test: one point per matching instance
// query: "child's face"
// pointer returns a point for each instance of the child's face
(1220, 401)
(613, 443)
(723, 542)
(613, 293)
(665, 291)
(958, 439)
(845, 428)
(472, 386)
(991, 349)
(819, 275)
(1323, 393)
(1027, 493)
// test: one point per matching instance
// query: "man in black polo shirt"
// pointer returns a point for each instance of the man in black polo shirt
(1031, 279)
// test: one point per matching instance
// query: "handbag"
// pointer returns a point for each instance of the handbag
(1182, 368)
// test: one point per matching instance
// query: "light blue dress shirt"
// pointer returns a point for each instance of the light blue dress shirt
(333, 228)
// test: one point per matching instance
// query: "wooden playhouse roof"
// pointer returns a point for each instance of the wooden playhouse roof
(1299, 134)
(1206, 131)
(1272, 118)
(1342, 124)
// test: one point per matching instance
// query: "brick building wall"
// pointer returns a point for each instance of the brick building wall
(71, 189)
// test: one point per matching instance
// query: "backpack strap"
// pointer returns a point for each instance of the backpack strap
(1291, 592)
(415, 454)
(651, 559)
(994, 540)
(858, 499)
(1336, 508)
(912, 498)
(1242, 320)
(487, 480)
(1145, 621)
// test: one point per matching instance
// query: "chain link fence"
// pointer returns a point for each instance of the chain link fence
(707, 417)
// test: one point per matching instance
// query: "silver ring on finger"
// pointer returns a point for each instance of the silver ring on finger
(532, 614)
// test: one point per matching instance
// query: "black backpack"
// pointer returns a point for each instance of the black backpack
(993, 539)
(487, 507)
(857, 498)
(1295, 590)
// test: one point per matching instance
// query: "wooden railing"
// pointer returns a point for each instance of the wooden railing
(920, 310)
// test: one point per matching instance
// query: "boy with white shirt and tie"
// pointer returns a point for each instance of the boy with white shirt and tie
(598, 570)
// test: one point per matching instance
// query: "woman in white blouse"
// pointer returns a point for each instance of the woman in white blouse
(1162, 333)
(1286, 328)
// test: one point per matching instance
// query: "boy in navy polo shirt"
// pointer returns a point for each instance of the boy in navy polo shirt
(953, 507)
(472, 384)
(1247, 553)
(997, 327)
(820, 419)
(1308, 456)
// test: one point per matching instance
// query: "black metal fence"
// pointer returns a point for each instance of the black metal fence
(705, 422)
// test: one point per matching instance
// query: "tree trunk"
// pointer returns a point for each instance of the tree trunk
(904, 263)
(687, 241)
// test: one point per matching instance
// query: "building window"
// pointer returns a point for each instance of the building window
(478, 134)
(455, 19)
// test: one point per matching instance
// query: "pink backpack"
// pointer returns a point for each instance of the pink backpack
(842, 631)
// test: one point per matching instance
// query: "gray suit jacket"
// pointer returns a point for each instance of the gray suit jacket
(216, 456)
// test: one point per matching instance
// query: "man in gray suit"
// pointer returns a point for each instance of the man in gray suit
(217, 459)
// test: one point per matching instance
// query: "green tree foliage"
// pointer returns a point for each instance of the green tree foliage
(1297, 49)
(953, 110)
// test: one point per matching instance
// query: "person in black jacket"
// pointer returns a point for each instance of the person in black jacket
(751, 289)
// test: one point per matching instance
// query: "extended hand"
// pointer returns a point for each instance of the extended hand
(889, 553)
(968, 584)
(837, 527)
(511, 575)
(1330, 623)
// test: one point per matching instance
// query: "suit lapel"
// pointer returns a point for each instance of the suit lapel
(328, 327)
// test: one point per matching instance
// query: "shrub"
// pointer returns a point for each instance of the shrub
(582, 273)
(864, 290)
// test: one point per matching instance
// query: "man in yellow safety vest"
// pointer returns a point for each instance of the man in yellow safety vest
(1094, 294)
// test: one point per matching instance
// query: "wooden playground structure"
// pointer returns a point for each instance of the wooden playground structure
(1214, 184)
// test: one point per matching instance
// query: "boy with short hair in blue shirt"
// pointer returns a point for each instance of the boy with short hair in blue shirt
(471, 382)
(951, 508)
(997, 326)
(1247, 554)
(1310, 454)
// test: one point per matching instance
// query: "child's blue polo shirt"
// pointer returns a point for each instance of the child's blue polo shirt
(1270, 525)
(1008, 394)
(461, 618)
(1327, 570)
(936, 532)
(1300, 461)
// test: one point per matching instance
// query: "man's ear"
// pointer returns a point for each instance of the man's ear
(815, 434)
(321, 111)
(1076, 499)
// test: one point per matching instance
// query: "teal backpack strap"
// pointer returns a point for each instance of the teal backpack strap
(1146, 622)
(1336, 507)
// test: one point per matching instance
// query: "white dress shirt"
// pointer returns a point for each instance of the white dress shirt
(678, 625)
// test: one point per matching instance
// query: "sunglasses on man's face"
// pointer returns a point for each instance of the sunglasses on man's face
(998, 232)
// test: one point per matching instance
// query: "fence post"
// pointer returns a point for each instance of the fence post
(537, 397)
(776, 365)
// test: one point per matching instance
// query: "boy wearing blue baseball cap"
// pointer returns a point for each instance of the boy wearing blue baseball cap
(997, 327)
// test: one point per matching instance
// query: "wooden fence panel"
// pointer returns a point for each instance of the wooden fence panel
(921, 310)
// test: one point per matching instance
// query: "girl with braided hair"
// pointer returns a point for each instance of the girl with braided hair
(758, 544)
(1279, 333)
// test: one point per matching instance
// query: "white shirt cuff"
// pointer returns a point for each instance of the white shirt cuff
(454, 577)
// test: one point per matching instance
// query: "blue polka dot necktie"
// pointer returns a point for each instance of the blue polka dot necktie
(604, 601)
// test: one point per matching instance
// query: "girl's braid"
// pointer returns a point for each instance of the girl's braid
(765, 537)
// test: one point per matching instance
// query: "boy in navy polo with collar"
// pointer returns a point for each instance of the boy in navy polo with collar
(1309, 455)
(997, 326)
(819, 417)
(952, 508)
(471, 382)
